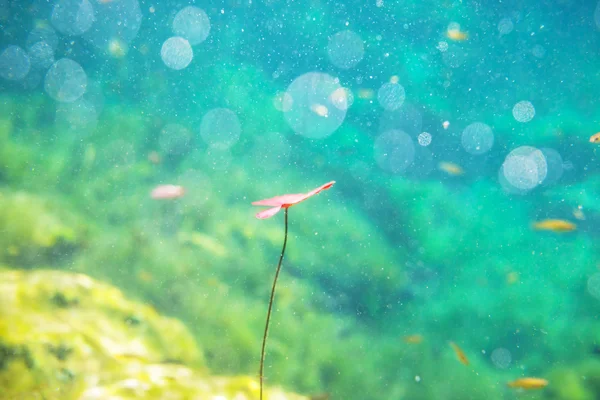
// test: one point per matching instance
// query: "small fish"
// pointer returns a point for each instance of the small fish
(595, 138)
(445, 124)
(578, 213)
(364, 93)
(459, 354)
(167, 192)
(554, 225)
(456, 35)
(451, 168)
(413, 339)
(528, 383)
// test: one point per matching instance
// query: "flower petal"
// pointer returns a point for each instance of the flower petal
(268, 213)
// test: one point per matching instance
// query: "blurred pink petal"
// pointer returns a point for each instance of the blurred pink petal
(167, 192)
(286, 200)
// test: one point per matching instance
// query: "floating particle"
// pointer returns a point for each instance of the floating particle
(345, 49)
(192, 24)
(477, 138)
(523, 111)
(176, 53)
(424, 138)
(391, 96)
(65, 81)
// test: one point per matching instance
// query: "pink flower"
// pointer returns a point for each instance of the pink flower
(167, 192)
(286, 201)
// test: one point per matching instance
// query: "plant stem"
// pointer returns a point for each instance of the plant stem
(264, 342)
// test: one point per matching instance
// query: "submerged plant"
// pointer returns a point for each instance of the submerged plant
(276, 204)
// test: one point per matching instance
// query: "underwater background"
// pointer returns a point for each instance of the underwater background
(456, 257)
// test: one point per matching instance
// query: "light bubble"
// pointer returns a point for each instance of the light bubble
(555, 166)
(279, 151)
(477, 138)
(43, 33)
(312, 113)
(525, 168)
(41, 55)
(282, 101)
(65, 81)
(220, 128)
(14, 63)
(72, 17)
(345, 49)
(523, 111)
(593, 285)
(424, 138)
(174, 139)
(454, 57)
(342, 98)
(538, 51)
(407, 118)
(501, 358)
(115, 22)
(391, 96)
(394, 151)
(193, 24)
(176, 53)
(78, 118)
(442, 46)
(505, 26)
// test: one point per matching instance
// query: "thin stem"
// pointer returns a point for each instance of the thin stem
(264, 342)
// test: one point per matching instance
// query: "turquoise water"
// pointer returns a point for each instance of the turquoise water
(466, 207)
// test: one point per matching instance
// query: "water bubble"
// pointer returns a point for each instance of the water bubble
(391, 96)
(523, 111)
(345, 49)
(78, 118)
(176, 53)
(14, 63)
(65, 81)
(525, 167)
(593, 285)
(394, 151)
(41, 55)
(283, 101)
(477, 138)
(555, 165)
(424, 139)
(407, 118)
(454, 57)
(538, 51)
(220, 128)
(501, 358)
(342, 98)
(43, 33)
(193, 24)
(72, 17)
(175, 139)
(505, 26)
(442, 46)
(313, 112)
(279, 151)
(116, 22)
